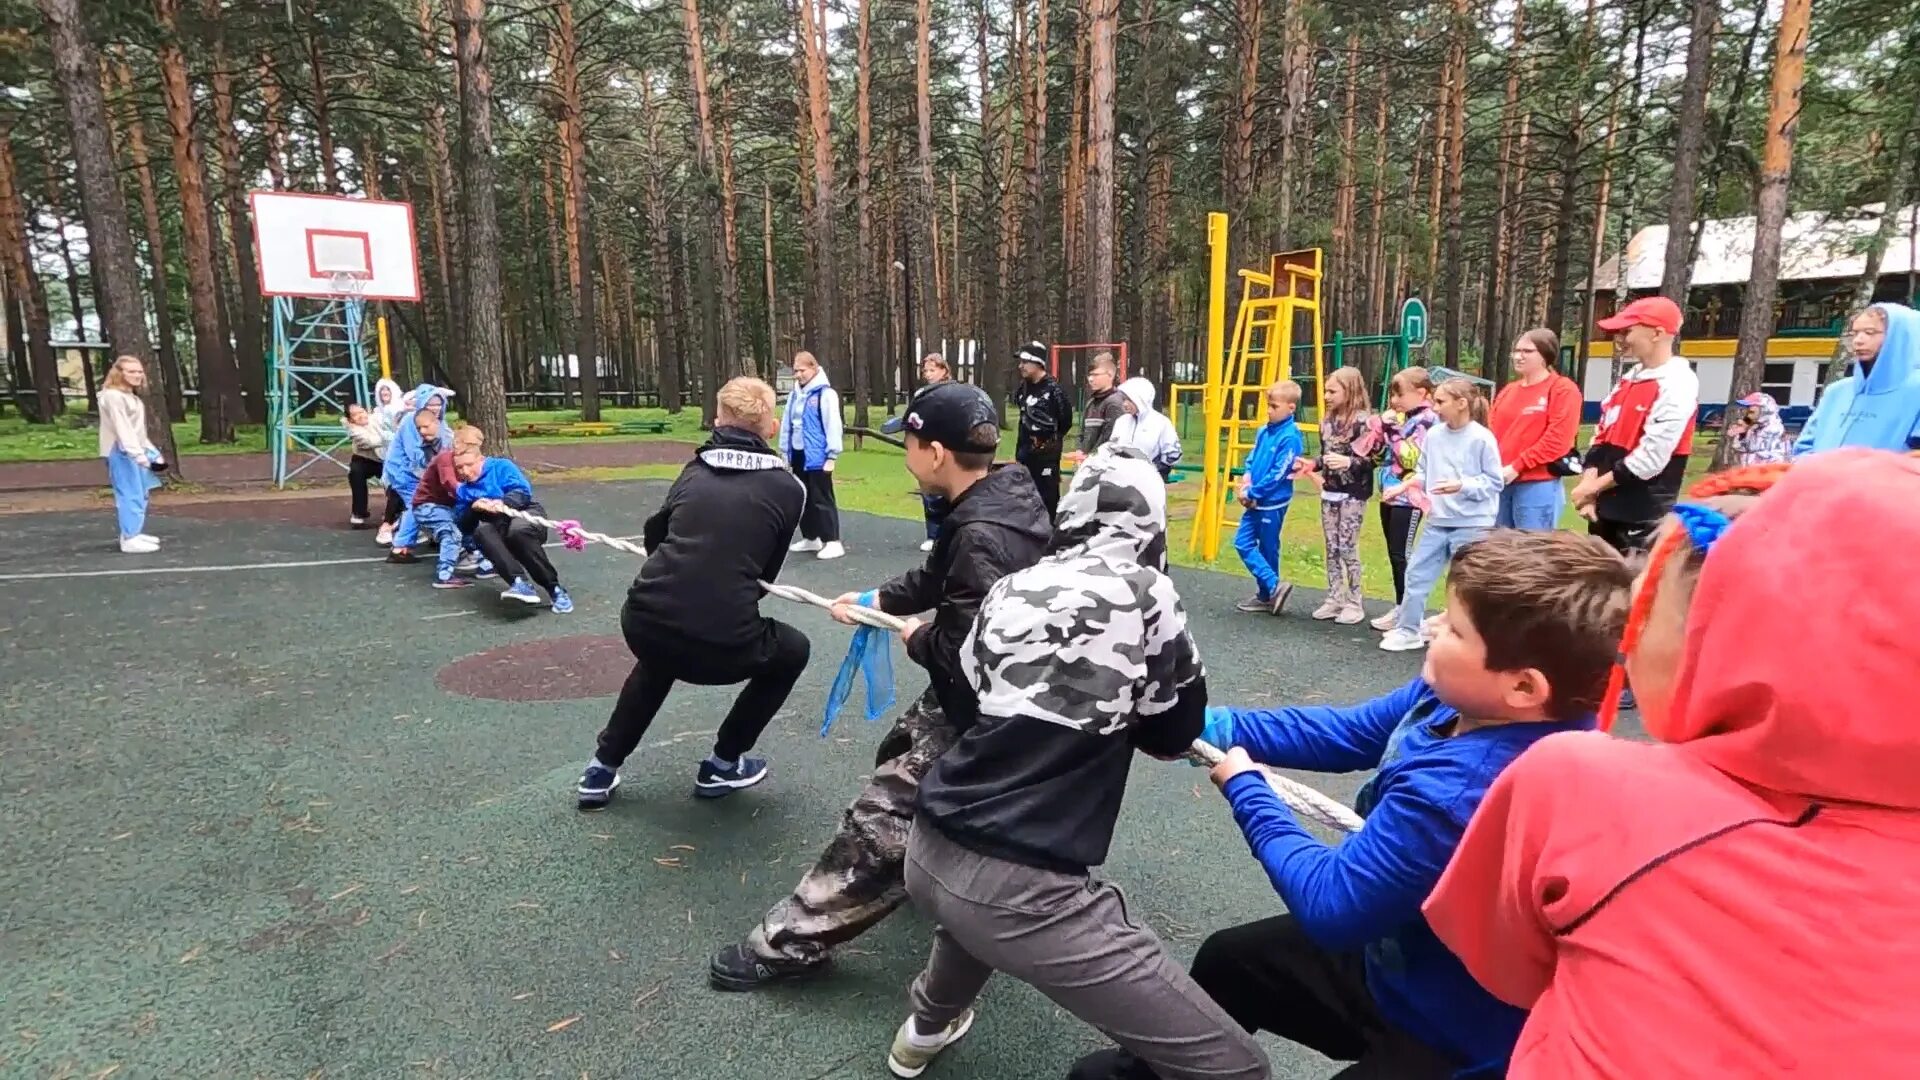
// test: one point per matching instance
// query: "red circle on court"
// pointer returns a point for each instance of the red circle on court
(553, 669)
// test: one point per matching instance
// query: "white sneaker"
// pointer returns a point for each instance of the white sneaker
(138, 545)
(926, 545)
(805, 545)
(831, 551)
(149, 538)
(1399, 639)
(913, 1052)
(1351, 615)
(1328, 609)
(1388, 621)
(385, 536)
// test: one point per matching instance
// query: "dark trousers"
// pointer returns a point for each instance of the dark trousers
(513, 546)
(1043, 464)
(821, 518)
(359, 471)
(935, 509)
(1269, 976)
(1399, 524)
(769, 670)
(1625, 537)
(394, 508)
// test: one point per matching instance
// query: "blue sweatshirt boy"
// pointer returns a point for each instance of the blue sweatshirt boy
(1880, 409)
(1365, 892)
(499, 479)
(1270, 464)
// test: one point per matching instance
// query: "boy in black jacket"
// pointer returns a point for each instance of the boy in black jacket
(1045, 417)
(693, 613)
(995, 525)
(1079, 662)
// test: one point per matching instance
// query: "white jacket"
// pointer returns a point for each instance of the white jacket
(1145, 429)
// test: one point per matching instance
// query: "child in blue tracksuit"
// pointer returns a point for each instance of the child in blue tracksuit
(1265, 490)
(1352, 969)
(407, 456)
(515, 546)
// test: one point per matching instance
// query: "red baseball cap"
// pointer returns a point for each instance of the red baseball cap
(1655, 311)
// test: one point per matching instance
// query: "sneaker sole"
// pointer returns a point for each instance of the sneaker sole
(1398, 647)
(519, 599)
(1280, 599)
(731, 984)
(454, 584)
(591, 800)
(908, 1072)
(720, 789)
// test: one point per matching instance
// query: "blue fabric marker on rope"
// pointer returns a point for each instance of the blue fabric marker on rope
(870, 657)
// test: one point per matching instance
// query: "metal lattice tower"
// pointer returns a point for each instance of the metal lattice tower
(320, 363)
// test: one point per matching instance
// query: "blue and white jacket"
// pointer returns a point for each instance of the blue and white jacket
(811, 424)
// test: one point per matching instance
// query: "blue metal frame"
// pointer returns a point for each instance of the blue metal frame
(319, 364)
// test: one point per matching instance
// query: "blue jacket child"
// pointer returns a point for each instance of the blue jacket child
(1878, 409)
(513, 545)
(1364, 894)
(407, 458)
(1269, 479)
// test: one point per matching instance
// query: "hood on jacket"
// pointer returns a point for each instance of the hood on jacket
(426, 392)
(735, 449)
(1769, 409)
(395, 400)
(1899, 351)
(1006, 498)
(1820, 705)
(1115, 510)
(1140, 392)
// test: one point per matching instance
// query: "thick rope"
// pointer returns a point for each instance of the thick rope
(1299, 798)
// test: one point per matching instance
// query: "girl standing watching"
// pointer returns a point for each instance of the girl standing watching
(132, 459)
(1536, 420)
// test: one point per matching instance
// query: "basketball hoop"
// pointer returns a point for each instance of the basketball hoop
(348, 284)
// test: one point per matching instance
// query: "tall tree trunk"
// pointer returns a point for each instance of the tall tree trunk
(219, 381)
(1770, 205)
(989, 320)
(766, 259)
(23, 282)
(442, 193)
(116, 282)
(158, 279)
(1601, 209)
(276, 128)
(1723, 133)
(1035, 284)
(486, 394)
(1237, 161)
(579, 210)
(670, 342)
(866, 351)
(729, 199)
(1456, 166)
(248, 334)
(927, 217)
(825, 325)
(322, 106)
(1106, 23)
(1296, 68)
(1377, 276)
(1691, 135)
(722, 344)
(73, 291)
(1073, 207)
(560, 334)
(1493, 351)
(1346, 264)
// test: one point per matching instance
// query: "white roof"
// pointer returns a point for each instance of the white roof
(1813, 246)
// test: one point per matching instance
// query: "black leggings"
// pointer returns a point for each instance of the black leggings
(513, 546)
(821, 518)
(1399, 523)
(769, 669)
(394, 508)
(360, 470)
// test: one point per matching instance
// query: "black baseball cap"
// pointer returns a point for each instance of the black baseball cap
(1033, 352)
(948, 412)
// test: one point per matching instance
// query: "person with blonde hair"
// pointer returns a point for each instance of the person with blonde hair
(133, 462)
(810, 438)
(693, 613)
(1349, 436)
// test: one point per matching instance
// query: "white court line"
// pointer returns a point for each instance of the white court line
(144, 571)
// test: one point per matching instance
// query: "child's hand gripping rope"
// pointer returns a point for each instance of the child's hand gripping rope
(1300, 798)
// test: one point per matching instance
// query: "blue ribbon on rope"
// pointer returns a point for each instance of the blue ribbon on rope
(870, 657)
(1704, 524)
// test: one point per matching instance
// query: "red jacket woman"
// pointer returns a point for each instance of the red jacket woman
(1535, 419)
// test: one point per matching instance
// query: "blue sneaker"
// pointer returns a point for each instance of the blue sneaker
(486, 570)
(521, 590)
(450, 582)
(597, 785)
(562, 603)
(712, 783)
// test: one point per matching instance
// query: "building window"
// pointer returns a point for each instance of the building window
(1776, 380)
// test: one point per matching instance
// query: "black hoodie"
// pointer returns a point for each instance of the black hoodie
(994, 528)
(723, 529)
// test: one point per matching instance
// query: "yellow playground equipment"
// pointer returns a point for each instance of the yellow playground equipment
(1262, 351)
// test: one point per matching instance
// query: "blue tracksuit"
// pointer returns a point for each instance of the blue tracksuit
(1880, 410)
(1365, 892)
(407, 459)
(1270, 465)
(499, 479)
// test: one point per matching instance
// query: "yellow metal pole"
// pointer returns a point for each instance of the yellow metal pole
(386, 360)
(1206, 523)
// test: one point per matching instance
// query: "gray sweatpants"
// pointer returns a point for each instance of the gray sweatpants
(1070, 938)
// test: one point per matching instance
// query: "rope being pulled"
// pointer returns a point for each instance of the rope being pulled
(1299, 798)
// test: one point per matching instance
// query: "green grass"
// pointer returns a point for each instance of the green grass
(76, 436)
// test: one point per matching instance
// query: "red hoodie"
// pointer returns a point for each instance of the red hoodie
(1535, 424)
(1742, 900)
(438, 481)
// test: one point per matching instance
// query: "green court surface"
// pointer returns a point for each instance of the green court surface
(258, 824)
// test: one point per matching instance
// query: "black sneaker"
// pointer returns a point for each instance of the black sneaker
(596, 788)
(712, 783)
(738, 968)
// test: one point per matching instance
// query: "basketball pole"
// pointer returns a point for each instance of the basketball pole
(386, 360)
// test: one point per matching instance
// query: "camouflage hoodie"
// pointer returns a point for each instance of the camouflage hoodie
(1077, 660)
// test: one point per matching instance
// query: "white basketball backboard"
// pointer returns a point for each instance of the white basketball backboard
(320, 245)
